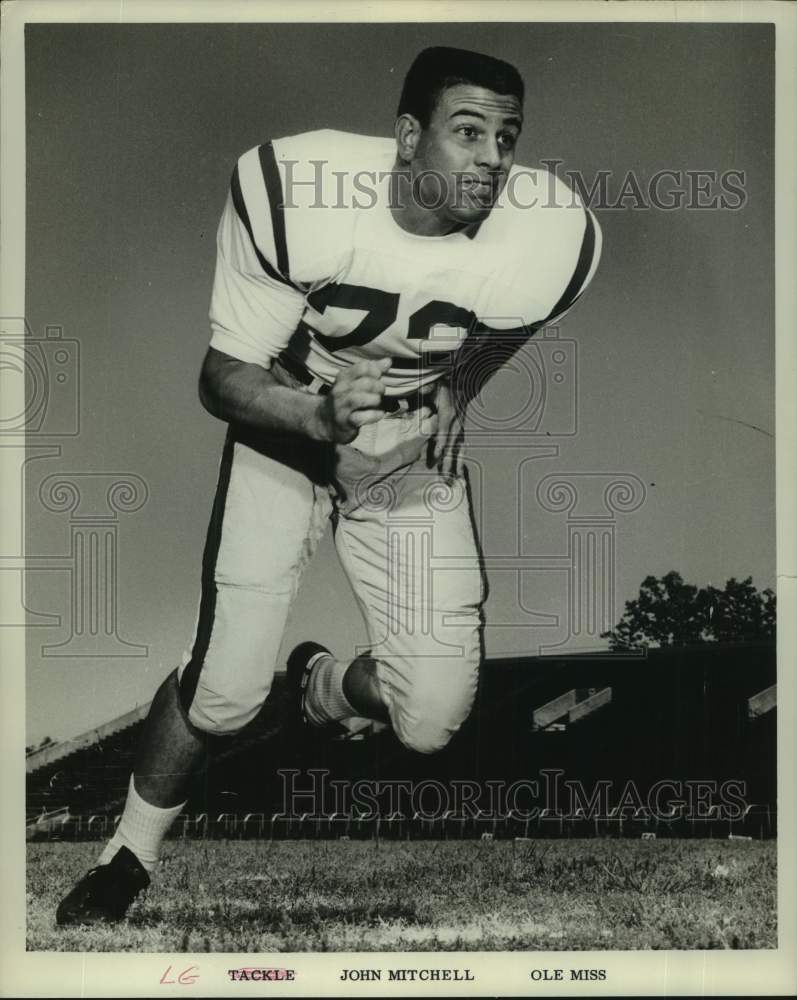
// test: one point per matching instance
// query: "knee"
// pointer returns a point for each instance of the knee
(430, 696)
(227, 676)
(429, 725)
(426, 737)
(226, 722)
(222, 719)
(223, 712)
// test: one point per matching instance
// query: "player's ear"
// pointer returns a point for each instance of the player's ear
(408, 132)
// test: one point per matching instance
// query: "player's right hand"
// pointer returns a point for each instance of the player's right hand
(353, 401)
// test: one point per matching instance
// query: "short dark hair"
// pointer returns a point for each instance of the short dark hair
(436, 69)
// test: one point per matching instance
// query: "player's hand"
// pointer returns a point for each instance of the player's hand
(445, 446)
(353, 401)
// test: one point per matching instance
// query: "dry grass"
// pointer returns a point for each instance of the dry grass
(261, 896)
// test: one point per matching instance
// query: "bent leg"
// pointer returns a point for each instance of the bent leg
(169, 751)
(362, 688)
(413, 561)
(267, 519)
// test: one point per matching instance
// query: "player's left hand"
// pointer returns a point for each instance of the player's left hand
(445, 445)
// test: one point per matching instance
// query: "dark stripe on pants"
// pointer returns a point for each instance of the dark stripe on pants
(207, 605)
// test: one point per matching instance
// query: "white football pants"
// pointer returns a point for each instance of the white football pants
(406, 541)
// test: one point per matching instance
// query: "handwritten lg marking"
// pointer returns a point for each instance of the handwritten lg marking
(187, 977)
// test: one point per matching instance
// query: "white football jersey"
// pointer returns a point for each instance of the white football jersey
(311, 262)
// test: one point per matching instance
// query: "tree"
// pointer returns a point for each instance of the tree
(740, 612)
(669, 612)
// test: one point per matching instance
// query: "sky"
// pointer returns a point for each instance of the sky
(132, 132)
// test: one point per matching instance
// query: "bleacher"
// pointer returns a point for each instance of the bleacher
(699, 713)
(90, 771)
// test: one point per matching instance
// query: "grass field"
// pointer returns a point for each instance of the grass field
(260, 897)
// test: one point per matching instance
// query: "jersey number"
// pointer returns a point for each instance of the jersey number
(381, 310)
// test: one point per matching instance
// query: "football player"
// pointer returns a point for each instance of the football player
(361, 288)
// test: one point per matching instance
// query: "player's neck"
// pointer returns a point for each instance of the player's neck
(410, 215)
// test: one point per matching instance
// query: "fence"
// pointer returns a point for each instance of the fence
(757, 822)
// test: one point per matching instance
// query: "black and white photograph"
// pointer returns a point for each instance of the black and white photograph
(393, 584)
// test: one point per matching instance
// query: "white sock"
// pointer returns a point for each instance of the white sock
(141, 829)
(325, 701)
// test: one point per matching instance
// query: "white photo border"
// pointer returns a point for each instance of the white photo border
(630, 973)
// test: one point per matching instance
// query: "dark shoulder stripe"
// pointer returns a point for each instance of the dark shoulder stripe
(576, 284)
(271, 175)
(243, 215)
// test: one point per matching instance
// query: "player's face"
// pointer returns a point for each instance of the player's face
(462, 159)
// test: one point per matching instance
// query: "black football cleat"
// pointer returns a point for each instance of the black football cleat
(105, 893)
(301, 663)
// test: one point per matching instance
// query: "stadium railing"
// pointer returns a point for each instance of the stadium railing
(224, 826)
(672, 823)
(707, 824)
(757, 821)
(550, 823)
(453, 825)
(516, 824)
(392, 827)
(253, 825)
(337, 825)
(485, 823)
(580, 824)
(96, 827)
(611, 823)
(362, 826)
(642, 821)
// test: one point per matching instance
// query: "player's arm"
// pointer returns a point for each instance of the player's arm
(247, 394)
(254, 311)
